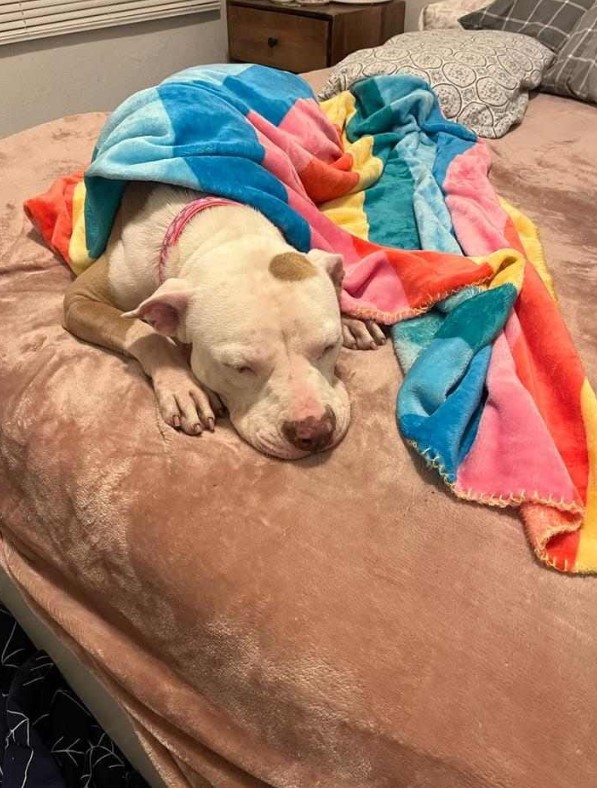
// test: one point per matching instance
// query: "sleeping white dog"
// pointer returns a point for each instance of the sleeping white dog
(262, 320)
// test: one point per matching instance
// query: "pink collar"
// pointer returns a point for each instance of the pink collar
(180, 221)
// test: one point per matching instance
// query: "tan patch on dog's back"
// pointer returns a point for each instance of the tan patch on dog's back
(291, 267)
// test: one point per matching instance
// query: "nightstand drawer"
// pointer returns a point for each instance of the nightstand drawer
(288, 41)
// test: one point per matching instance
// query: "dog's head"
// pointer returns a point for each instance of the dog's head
(264, 325)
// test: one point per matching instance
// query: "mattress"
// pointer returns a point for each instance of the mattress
(361, 629)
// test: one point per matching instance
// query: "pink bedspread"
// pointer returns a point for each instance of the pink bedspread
(288, 624)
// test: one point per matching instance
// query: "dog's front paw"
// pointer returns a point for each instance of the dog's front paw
(183, 403)
(361, 334)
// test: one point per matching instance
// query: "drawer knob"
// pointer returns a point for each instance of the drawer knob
(272, 42)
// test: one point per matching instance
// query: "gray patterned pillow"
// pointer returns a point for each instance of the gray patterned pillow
(549, 21)
(574, 71)
(481, 78)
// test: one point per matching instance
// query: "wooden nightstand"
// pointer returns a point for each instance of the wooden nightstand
(306, 38)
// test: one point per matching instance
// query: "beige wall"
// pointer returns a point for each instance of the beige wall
(413, 9)
(45, 79)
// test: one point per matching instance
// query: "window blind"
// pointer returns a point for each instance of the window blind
(23, 20)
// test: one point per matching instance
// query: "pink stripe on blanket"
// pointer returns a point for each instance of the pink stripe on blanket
(306, 123)
(372, 285)
(512, 330)
(518, 462)
(279, 162)
(478, 219)
(299, 139)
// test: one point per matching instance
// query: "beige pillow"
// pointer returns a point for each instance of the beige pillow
(445, 15)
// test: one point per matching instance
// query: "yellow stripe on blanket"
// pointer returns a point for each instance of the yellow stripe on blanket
(587, 546)
(77, 248)
(340, 110)
(349, 214)
(529, 237)
(507, 265)
(368, 167)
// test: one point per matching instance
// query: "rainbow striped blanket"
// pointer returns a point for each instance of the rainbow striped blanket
(494, 394)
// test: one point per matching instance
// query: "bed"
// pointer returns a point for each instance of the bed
(363, 629)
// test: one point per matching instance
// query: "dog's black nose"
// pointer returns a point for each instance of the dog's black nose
(311, 434)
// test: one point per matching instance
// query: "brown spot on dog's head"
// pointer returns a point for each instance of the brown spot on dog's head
(291, 267)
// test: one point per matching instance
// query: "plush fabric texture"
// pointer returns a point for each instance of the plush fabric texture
(310, 623)
(548, 21)
(574, 71)
(480, 401)
(445, 15)
(482, 79)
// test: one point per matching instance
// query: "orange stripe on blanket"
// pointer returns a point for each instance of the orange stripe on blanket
(52, 212)
(324, 182)
(512, 236)
(428, 276)
(345, 162)
(554, 535)
(552, 372)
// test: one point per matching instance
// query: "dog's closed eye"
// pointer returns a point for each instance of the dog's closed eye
(241, 369)
(327, 349)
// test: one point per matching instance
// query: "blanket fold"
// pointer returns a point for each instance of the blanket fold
(494, 394)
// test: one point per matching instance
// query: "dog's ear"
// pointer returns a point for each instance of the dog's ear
(331, 263)
(166, 308)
